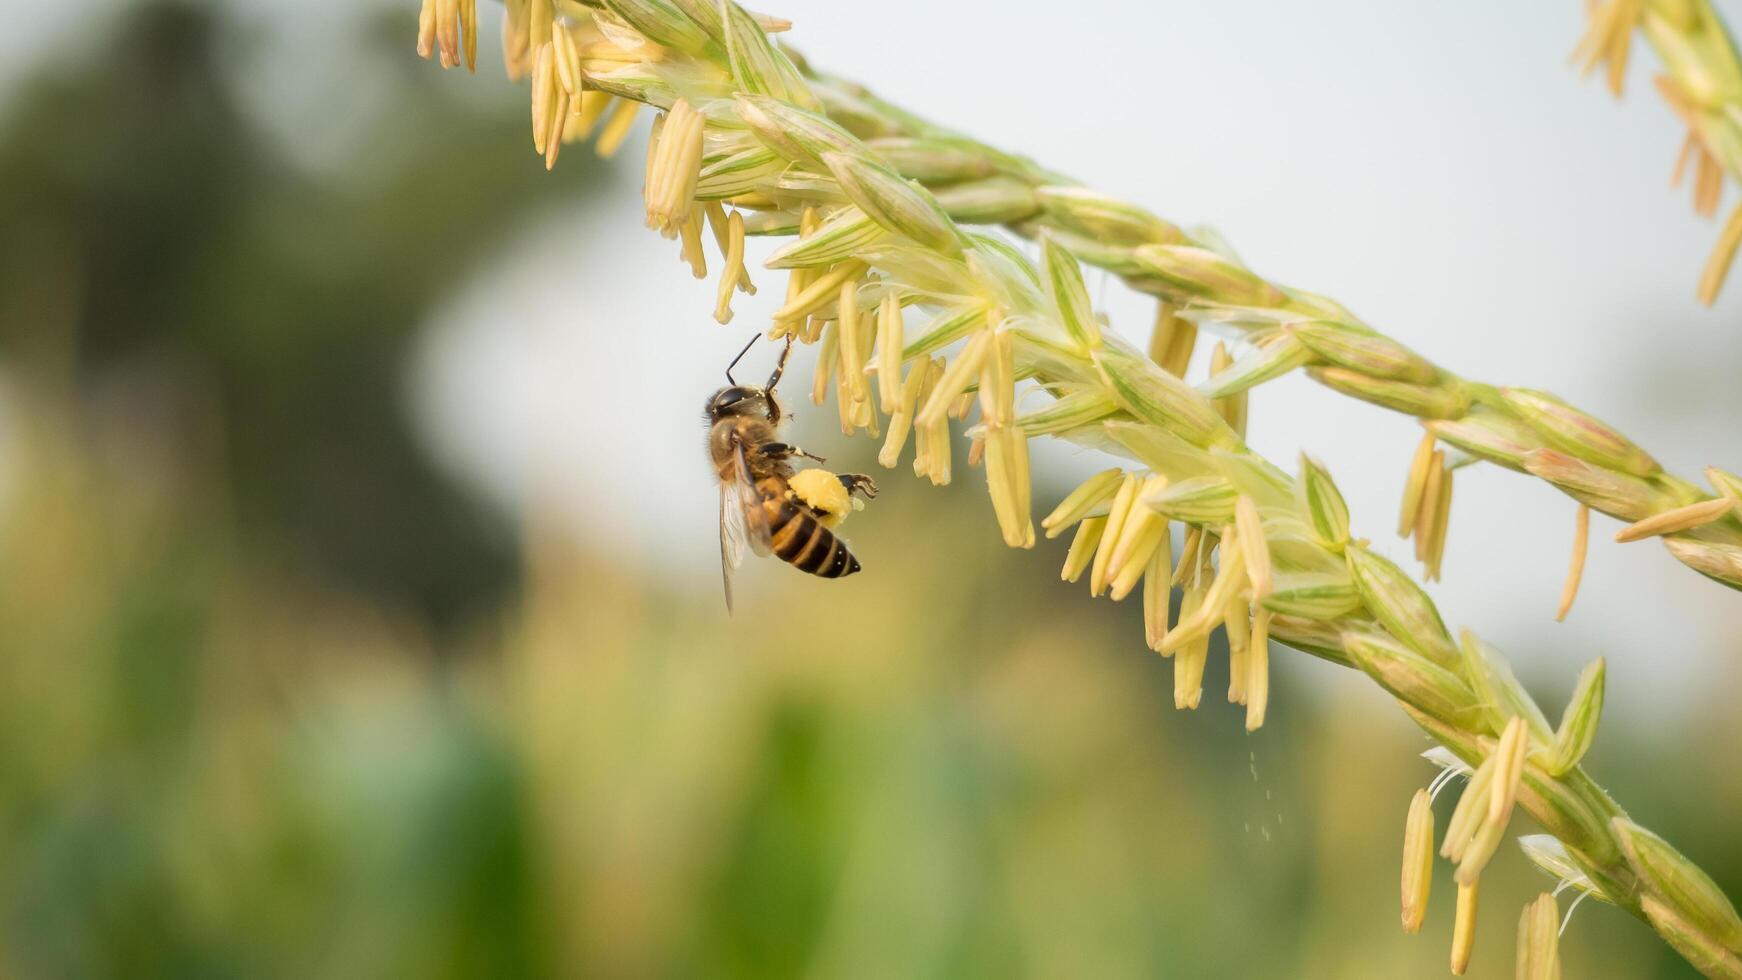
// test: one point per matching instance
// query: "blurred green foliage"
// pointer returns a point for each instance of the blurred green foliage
(157, 241)
(275, 700)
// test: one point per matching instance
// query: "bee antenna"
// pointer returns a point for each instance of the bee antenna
(740, 357)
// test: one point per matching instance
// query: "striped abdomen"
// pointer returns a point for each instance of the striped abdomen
(800, 540)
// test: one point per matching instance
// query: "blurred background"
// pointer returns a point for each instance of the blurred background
(359, 612)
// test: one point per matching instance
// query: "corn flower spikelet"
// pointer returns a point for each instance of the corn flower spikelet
(619, 51)
(447, 30)
(886, 282)
(1701, 82)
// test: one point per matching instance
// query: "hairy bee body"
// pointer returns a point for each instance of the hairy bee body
(799, 538)
(796, 532)
(764, 506)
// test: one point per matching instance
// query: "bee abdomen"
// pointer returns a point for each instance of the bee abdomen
(800, 540)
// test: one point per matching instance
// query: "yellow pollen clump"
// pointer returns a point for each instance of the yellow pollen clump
(822, 492)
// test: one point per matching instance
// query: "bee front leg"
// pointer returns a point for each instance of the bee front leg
(780, 450)
(859, 483)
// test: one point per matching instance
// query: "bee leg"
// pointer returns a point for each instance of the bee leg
(859, 483)
(780, 365)
(780, 450)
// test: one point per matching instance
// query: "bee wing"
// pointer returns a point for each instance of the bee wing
(742, 523)
(731, 538)
(750, 509)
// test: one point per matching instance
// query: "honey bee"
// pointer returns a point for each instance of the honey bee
(764, 504)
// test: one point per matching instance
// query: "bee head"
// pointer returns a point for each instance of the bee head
(743, 400)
